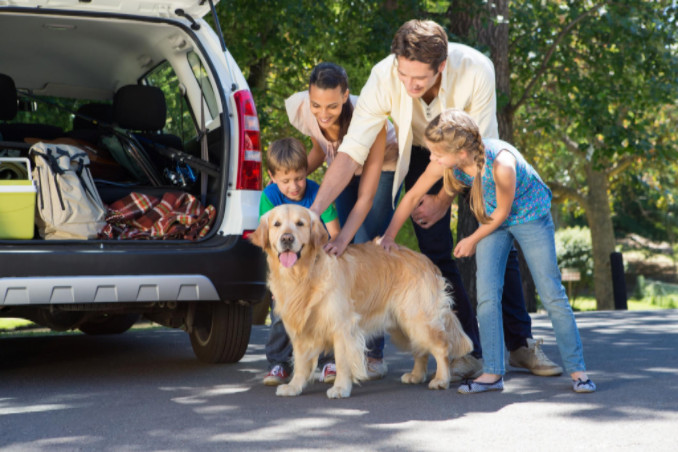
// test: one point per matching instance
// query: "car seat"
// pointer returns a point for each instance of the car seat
(11, 131)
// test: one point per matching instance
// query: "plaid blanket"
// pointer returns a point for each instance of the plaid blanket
(177, 216)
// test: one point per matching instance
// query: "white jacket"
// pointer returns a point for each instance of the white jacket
(467, 83)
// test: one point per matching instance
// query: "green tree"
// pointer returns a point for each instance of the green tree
(595, 109)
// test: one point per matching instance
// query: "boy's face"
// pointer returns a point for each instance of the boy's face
(292, 183)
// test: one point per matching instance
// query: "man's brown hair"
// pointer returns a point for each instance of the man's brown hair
(421, 40)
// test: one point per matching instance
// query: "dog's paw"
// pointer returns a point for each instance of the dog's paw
(287, 391)
(438, 383)
(412, 379)
(338, 392)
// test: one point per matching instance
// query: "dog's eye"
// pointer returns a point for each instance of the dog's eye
(300, 223)
(276, 224)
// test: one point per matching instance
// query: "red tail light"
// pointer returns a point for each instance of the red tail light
(249, 151)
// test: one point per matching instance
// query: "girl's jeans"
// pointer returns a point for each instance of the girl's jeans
(537, 241)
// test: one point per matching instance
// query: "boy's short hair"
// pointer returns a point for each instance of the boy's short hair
(421, 40)
(286, 154)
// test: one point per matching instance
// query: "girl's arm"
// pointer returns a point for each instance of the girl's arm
(504, 174)
(369, 181)
(430, 176)
(315, 157)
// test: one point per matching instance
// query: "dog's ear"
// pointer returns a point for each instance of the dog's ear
(319, 235)
(260, 235)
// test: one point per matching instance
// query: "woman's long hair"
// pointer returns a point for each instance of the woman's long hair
(329, 76)
(457, 131)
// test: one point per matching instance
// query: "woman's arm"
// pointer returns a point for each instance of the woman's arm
(315, 157)
(504, 174)
(430, 176)
(369, 182)
(333, 228)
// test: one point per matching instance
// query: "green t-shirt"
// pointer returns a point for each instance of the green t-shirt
(272, 197)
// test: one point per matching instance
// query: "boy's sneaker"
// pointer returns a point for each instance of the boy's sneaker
(582, 386)
(466, 367)
(277, 376)
(328, 374)
(533, 359)
(376, 369)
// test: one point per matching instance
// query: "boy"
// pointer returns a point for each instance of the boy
(287, 168)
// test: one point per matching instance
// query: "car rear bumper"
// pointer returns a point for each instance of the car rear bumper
(221, 268)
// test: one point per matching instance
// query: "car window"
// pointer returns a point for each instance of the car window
(180, 122)
(200, 74)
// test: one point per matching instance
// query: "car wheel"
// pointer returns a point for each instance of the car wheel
(109, 324)
(221, 331)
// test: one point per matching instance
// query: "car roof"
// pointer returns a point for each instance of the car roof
(151, 8)
(80, 56)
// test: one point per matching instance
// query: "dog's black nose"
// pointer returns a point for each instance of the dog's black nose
(286, 240)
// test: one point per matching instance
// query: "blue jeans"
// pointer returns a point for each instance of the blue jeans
(437, 244)
(279, 347)
(375, 224)
(537, 241)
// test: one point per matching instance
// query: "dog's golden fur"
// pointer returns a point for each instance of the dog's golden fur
(329, 303)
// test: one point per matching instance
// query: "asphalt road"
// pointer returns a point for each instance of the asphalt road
(144, 391)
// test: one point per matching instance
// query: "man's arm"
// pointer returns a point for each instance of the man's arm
(336, 178)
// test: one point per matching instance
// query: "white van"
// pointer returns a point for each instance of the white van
(150, 92)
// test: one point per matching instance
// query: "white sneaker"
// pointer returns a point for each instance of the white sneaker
(467, 367)
(376, 369)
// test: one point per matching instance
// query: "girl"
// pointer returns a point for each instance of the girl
(510, 201)
(365, 207)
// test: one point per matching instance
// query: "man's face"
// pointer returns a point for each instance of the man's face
(417, 77)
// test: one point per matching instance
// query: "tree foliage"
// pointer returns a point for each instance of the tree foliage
(594, 109)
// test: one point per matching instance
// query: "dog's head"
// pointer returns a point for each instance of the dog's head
(289, 232)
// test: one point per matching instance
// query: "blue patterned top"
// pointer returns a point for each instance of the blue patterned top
(533, 197)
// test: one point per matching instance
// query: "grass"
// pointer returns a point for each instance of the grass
(643, 304)
(14, 324)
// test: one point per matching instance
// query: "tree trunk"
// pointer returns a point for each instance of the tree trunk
(491, 28)
(599, 218)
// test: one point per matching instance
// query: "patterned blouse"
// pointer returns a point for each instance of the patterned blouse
(532, 198)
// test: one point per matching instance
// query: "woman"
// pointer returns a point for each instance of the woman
(365, 207)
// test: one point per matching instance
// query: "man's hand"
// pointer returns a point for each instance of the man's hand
(336, 247)
(431, 209)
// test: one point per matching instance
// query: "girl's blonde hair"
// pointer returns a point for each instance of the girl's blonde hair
(457, 131)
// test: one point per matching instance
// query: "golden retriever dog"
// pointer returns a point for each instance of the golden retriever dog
(335, 303)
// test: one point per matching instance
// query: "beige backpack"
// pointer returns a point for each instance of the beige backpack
(68, 205)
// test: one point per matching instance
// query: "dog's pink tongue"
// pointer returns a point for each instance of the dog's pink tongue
(288, 258)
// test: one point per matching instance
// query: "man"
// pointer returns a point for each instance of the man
(423, 76)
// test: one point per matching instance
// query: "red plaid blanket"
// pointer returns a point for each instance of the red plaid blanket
(176, 216)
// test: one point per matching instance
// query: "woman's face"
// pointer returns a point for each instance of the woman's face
(326, 105)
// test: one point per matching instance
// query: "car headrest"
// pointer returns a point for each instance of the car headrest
(8, 98)
(137, 107)
(102, 113)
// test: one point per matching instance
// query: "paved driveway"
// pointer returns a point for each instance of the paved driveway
(144, 390)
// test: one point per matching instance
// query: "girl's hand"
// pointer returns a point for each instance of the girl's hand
(336, 247)
(465, 248)
(387, 243)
